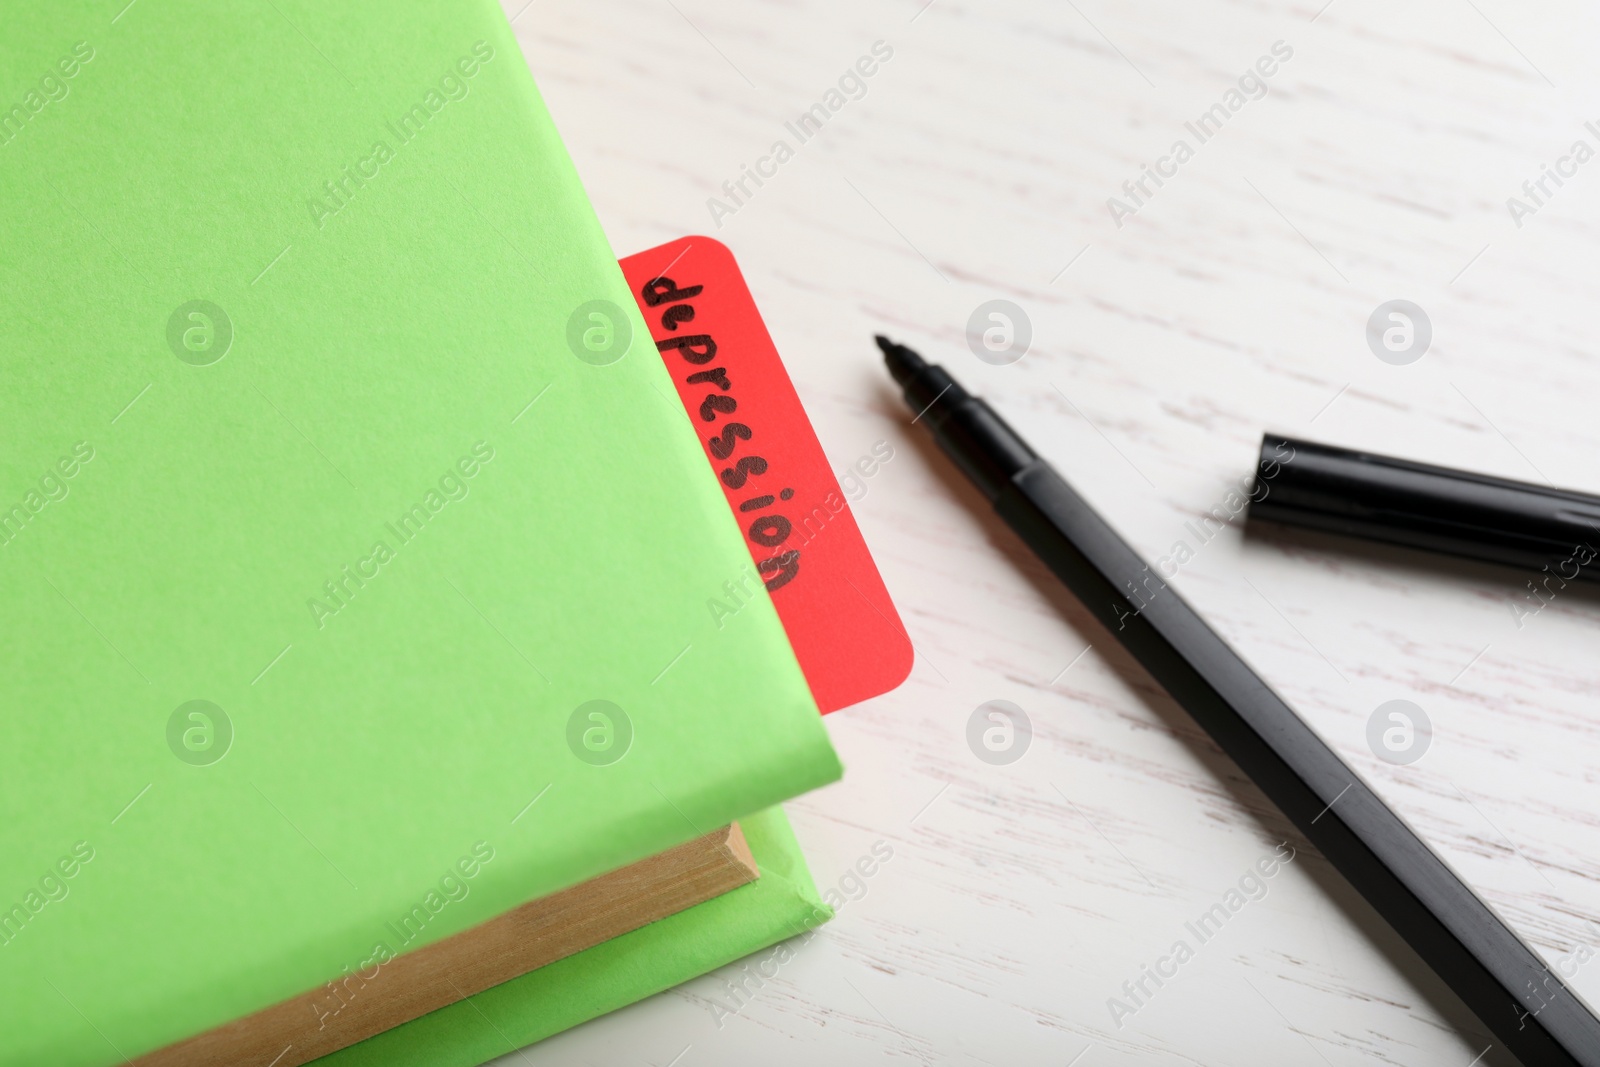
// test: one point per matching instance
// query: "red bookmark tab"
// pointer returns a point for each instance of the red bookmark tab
(804, 543)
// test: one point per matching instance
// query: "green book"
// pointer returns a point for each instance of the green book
(341, 558)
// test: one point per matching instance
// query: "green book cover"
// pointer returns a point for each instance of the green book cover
(782, 903)
(354, 546)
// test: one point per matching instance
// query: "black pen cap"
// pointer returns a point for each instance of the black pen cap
(1380, 498)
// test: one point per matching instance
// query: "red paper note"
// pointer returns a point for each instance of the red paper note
(805, 546)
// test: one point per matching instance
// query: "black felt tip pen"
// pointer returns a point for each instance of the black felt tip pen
(1519, 999)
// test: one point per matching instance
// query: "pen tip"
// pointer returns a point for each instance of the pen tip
(901, 361)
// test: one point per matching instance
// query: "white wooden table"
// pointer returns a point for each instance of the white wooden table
(977, 165)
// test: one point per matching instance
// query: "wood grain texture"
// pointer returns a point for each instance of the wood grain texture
(357, 1006)
(977, 166)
